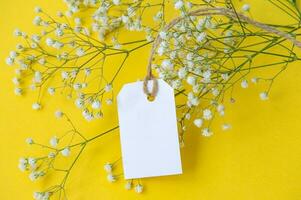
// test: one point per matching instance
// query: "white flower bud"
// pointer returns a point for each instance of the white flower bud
(198, 122)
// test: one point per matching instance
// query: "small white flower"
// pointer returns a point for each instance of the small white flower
(225, 77)
(109, 101)
(206, 132)
(116, 2)
(58, 114)
(128, 185)
(29, 141)
(23, 164)
(111, 178)
(33, 176)
(38, 9)
(108, 87)
(139, 188)
(9, 61)
(37, 20)
(17, 32)
(246, 7)
(198, 122)
(179, 4)
(167, 64)
(163, 35)
(57, 45)
(79, 103)
(77, 86)
(254, 80)
(191, 80)
(54, 141)
(18, 91)
(264, 96)
(108, 167)
(66, 152)
(38, 77)
(36, 106)
(244, 84)
(207, 114)
(207, 76)
(87, 71)
(221, 109)
(64, 75)
(59, 32)
(226, 127)
(77, 21)
(49, 42)
(51, 90)
(16, 81)
(201, 37)
(51, 155)
(32, 162)
(42, 61)
(80, 52)
(96, 104)
(87, 115)
(182, 73)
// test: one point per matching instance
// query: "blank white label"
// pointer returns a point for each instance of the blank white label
(148, 132)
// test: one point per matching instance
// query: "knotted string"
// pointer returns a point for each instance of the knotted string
(206, 12)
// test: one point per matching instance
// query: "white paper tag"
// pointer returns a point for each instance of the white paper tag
(148, 132)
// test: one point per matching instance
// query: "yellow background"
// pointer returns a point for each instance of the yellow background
(259, 158)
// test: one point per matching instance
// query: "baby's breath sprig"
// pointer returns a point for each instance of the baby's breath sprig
(70, 142)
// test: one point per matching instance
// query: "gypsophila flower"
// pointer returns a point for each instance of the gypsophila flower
(179, 4)
(128, 185)
(198, 122)
(9, 61)
(29, 141)
(80, 52)
(254, 80)
(16, 81)
(51, 155)
(226, 127)
(201, 37)
(58, 114)
(108, 167)
(32, 162)
(116, 2)
(36, 106)
(96, 104)
(111, 178)
(22, 164)
(49, 42)
(108, 87)
(51, 91)
(246, 7)
(54, 141)
(244, 84)
(207, 114)
(206, 132)
(264, 96)
(64, 75)
(18, 91)
(191, 80)
(221, 109)
(66, 152)
(37, 9)
(139, 188)
(109, 101)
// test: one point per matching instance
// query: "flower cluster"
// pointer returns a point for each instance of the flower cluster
(210, 49)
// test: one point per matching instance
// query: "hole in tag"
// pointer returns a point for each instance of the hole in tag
(150, 98)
